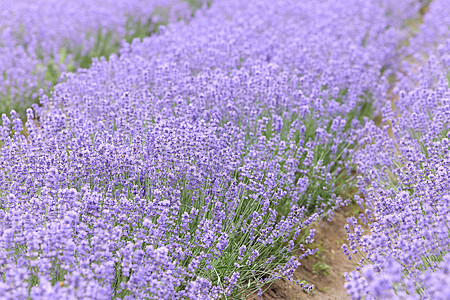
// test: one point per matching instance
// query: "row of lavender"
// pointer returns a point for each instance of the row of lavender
(191, 165)
(39, 40)
(405, 177)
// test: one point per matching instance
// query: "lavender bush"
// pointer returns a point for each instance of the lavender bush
(191, 164)
(39, 40)
(406, 179)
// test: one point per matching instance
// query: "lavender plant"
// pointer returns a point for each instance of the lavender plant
(404, 178)
(191, 164)
(409, 237)
(40, 40)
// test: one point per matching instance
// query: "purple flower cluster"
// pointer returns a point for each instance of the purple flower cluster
(191, 164)
(404, 176)
(41, 37)
(427, 57)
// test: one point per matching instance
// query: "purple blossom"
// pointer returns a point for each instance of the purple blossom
(188, 164)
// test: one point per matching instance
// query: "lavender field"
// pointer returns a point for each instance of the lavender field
(174, 149)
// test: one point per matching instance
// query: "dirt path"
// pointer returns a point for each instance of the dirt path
(325, 269)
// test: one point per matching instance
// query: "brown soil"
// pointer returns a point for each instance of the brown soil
(329, 284)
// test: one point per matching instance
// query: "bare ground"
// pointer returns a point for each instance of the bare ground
(325, 269)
